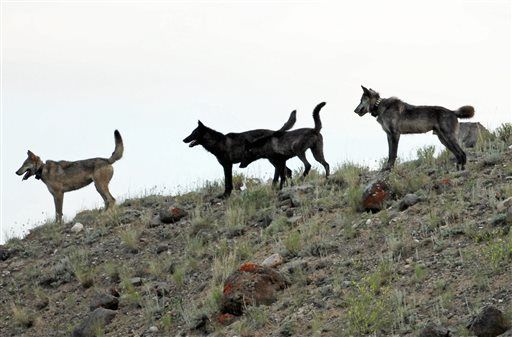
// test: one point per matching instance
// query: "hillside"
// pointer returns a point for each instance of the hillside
(349, 272)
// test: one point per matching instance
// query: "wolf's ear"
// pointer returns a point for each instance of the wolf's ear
(200, 124)
(366, 91)
(30, 154)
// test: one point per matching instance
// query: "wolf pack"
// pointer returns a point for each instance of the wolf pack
(277, 146)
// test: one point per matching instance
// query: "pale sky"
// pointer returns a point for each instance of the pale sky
(72, 72)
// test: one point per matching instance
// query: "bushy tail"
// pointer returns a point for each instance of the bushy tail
(118, 151)
(466, 111)
(316, 116)
(290, 122)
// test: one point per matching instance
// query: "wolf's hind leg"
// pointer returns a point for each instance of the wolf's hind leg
(58, 199)
(318, 153)
(101, 179)
(452, 145)
(307, 165)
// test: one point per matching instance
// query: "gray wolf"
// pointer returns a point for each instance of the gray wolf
(283, 145)
(397, 117)
(231, 148)
(64, 176)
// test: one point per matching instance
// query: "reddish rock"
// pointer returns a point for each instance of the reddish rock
(375, 195)
(251, 284)
(432, 330)
(172, 214)
(226, 319)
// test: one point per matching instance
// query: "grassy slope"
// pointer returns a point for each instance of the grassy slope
(352, 273)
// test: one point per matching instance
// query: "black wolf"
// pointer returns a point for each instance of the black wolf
(283, 145)
(64, 176)
(231, 148)
(397, 117)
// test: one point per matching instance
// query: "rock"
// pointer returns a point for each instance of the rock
(94, 323)
(202, 324)
(273, 261)
(106, 301)
(153, 329)
(375, 196)
(136, 281)
(490, 322)
(77, 228)
(251, 284)
(504, 205)
(407, 201)
(129, 215)
(226, 319)
(432, 330)
(293, 196)
(172, 214)
(4, 254)
(162, 248)
(470, 133)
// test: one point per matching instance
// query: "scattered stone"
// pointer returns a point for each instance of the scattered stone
(162, 289)
(172, 214)
(202, 325)
(470, 133)
(504, 205)
(161, 248)
(490, 322)
(264, 222)
(432, 330)
(273, 261)
(136, 281)
(153, 329)
(129, 215)
(4, 254)
(293, 196)
(41, 302)
(251, 284)
(408, 201)
(106, 301)
(226, 319)
(94, 323)
(375, 196)
(77, 228)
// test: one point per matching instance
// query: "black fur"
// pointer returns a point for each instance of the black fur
(283, 145)
(231, 148)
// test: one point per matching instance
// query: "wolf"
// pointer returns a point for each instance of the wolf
(231, 148)
(397, 117)
(283, 145)
(64, 176)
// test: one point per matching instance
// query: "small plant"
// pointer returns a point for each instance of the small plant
(130, 238)
(79, 262)
(293, 242)
(178, 276)
(22, 317)
(167, 322)
(426, 155)
(504, 133)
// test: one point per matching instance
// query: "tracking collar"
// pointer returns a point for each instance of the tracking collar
(376, 108)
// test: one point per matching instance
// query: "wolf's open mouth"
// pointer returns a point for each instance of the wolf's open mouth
(27, 175)
(193, 143)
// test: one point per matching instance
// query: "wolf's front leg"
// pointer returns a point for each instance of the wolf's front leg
(58, 199)
(228, 180)
(393, 139)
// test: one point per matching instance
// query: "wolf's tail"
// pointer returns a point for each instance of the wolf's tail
(466, 111)
(290, 122)
(316, 116)
(118, 151)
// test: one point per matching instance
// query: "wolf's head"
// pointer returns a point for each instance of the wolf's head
(30, 166)
(197, 136)
(368, 101)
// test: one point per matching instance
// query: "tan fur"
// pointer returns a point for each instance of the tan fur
(64, 176)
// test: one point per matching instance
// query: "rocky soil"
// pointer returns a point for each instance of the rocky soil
(421, 250)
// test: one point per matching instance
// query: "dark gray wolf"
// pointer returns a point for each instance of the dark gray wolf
(231, 148)
(283, 145)
(397, 117)
(64, 176)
